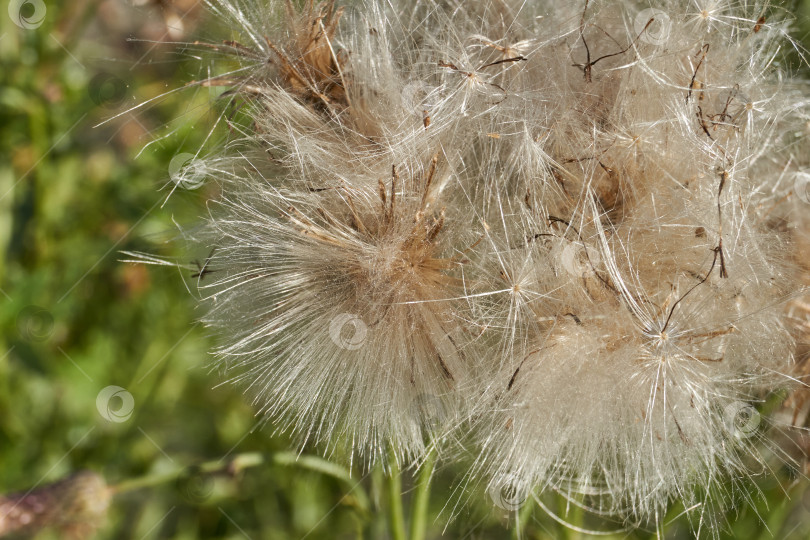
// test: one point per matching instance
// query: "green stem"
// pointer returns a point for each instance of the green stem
(522, 518)
(422, 497)
(232, 467)
(379, 497)
(323, 466)
(241, 462)
(396, 517)
(576, 517)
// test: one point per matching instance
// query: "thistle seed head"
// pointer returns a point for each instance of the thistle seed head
(572, 225)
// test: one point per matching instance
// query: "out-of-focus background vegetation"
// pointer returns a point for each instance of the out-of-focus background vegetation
(75, 320)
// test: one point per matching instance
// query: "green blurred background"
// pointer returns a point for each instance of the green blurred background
(75, 320)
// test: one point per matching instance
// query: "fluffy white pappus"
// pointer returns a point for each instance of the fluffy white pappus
(644, 306)
(321, 99)
(573, 225)
(342, 307)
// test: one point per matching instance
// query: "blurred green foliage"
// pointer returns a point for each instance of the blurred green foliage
(74, 319)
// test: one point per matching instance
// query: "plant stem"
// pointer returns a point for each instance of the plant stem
(323, 466)
(240, 462)
(422, 497)
(379, 497)
(396, 518)
(232, 467)
(521, 518)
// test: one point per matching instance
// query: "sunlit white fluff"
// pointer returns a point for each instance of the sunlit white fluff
(646, 201)
(568, 224)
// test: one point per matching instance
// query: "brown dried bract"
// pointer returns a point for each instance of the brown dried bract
(387, 247)
(404, 227)
(310, 66)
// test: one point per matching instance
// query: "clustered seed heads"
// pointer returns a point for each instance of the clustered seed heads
(566, 229)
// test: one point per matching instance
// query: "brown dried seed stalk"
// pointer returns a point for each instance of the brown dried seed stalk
(75, 506)
(308, 65)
